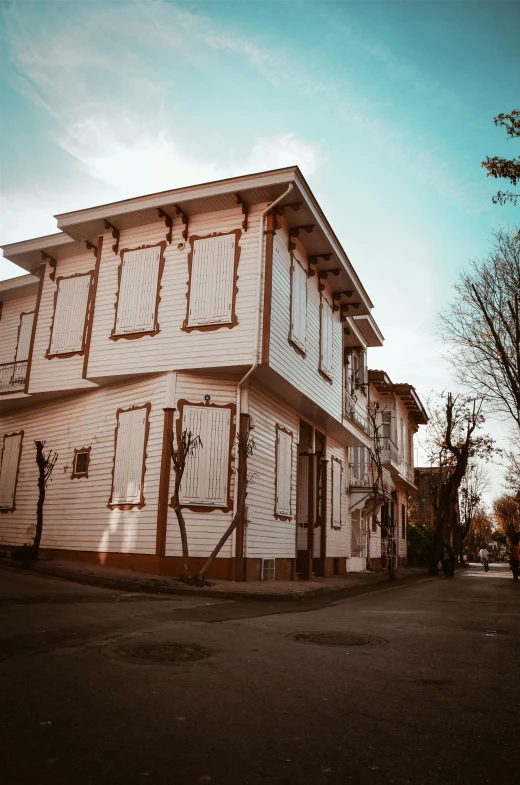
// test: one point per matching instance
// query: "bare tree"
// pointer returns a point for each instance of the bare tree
(451, 442)
(471, 490)
(505, 168)
(46, 462)
(379, 493)
(186, 444)
(245, 449)
(482, 327)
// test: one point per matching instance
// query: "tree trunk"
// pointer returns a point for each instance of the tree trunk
(184, 541)
(232, 526)
(40, 461)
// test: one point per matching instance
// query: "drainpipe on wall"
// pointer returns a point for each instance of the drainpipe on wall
(256, 355)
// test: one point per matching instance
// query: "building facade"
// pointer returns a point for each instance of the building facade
(229, 310)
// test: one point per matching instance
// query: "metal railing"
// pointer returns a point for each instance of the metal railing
(356, 413)
(12, 376)
(363, 475)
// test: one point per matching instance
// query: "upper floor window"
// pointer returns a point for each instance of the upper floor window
(213, 265)
(326, 322)
(138, 295)
(298, 304)
(206, 478)
(70, 315)
(24, 337)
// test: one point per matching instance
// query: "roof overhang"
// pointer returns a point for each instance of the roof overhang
(369, 329)
(20, 286)
(408, 394)
(30, 254)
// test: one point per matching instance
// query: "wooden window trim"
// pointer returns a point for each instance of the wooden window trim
(234, 318)
(75, 475)
(323, 373)
(141, 503)
(232, 430)
(23, 313)
(332, 461)
(280, 428)
(41, 273)
(294, 262)
(90, 324)
(64, 355)
(7, 436)
(115, 336)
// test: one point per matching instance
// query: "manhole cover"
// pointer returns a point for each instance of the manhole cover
(347, 639)
(162, 653)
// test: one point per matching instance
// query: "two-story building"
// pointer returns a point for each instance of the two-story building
(225, 308)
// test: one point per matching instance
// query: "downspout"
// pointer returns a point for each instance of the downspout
(256, 355)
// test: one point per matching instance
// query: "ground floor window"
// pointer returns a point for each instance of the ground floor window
(10, 462)
(129, 458)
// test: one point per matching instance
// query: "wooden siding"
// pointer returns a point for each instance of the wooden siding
(303, 372)
(57, 373)
(173, 348)
(76, 515)
(266, 536)
(9, 324)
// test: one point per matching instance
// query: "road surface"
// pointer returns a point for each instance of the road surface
(109, 688)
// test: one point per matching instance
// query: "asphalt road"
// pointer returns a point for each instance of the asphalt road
(99, 687)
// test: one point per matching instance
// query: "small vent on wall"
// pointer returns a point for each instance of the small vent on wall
(268, 569)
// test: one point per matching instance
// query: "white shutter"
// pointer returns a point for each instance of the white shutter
(206, 476)
(337, 471)
(212, 280)
(9, 470)
(128, 465)
(283, 473)
(137, 299)
(298, 304)
(24, 337)
(326, 337)
(302, 502)
(69, 315)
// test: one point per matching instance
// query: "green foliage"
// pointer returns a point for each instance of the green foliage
(420, 544)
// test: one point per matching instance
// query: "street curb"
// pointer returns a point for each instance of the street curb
(154, 587)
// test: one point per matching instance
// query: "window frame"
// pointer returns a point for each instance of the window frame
(334, 460)
(404, 511)
(19, 331)
(79, 475)
(282, 516)
(8, 436)
(49, 355)
(141, 503)
(186, 327)
(116, 336)
(324, 372)
(232, 431)
(292, 339)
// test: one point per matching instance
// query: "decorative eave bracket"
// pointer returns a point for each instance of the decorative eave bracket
(345, 309)
(91, 247)
(115, 235)
(52, 264)
(314, 259)
(294, 231)
(185, 220)
(323, 275)
(245, 210)
(281, 209)
(168, 222)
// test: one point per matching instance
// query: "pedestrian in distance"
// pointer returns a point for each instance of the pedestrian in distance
(514, 561)
(484, 557)
(445, 560)
(453, 561)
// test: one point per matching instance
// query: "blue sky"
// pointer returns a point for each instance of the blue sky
(387, 107)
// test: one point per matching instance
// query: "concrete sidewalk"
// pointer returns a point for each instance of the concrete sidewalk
(128, 580)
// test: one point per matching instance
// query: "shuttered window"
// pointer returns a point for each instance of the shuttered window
(206, 476)
(9, 470)
(283, 472)
(337, 471)
(298, 304)
(127, 485)
(138, 291)
(326, 338)
(212, 281)
(24, 337)
(70, 313)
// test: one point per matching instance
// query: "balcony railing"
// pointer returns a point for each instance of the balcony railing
(363, 475)
(355, 413)
(389, 452)
(12, 376)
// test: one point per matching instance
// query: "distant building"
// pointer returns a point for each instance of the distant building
(421, 507)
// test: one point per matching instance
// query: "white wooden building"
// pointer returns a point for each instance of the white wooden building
(222, 308)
